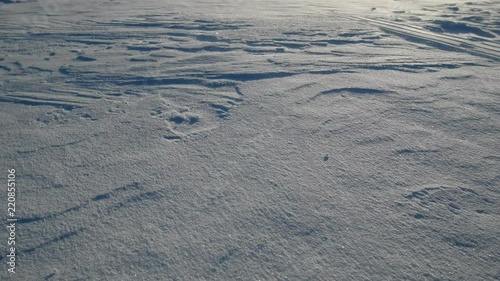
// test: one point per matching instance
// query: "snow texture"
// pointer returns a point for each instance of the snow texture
(252, 140)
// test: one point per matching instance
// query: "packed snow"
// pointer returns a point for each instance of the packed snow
(251, 140)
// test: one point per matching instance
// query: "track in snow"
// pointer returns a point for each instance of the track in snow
(449, 42)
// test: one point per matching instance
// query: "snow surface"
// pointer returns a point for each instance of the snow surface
(252, 140)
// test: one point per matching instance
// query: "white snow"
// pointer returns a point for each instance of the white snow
(252, 140)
